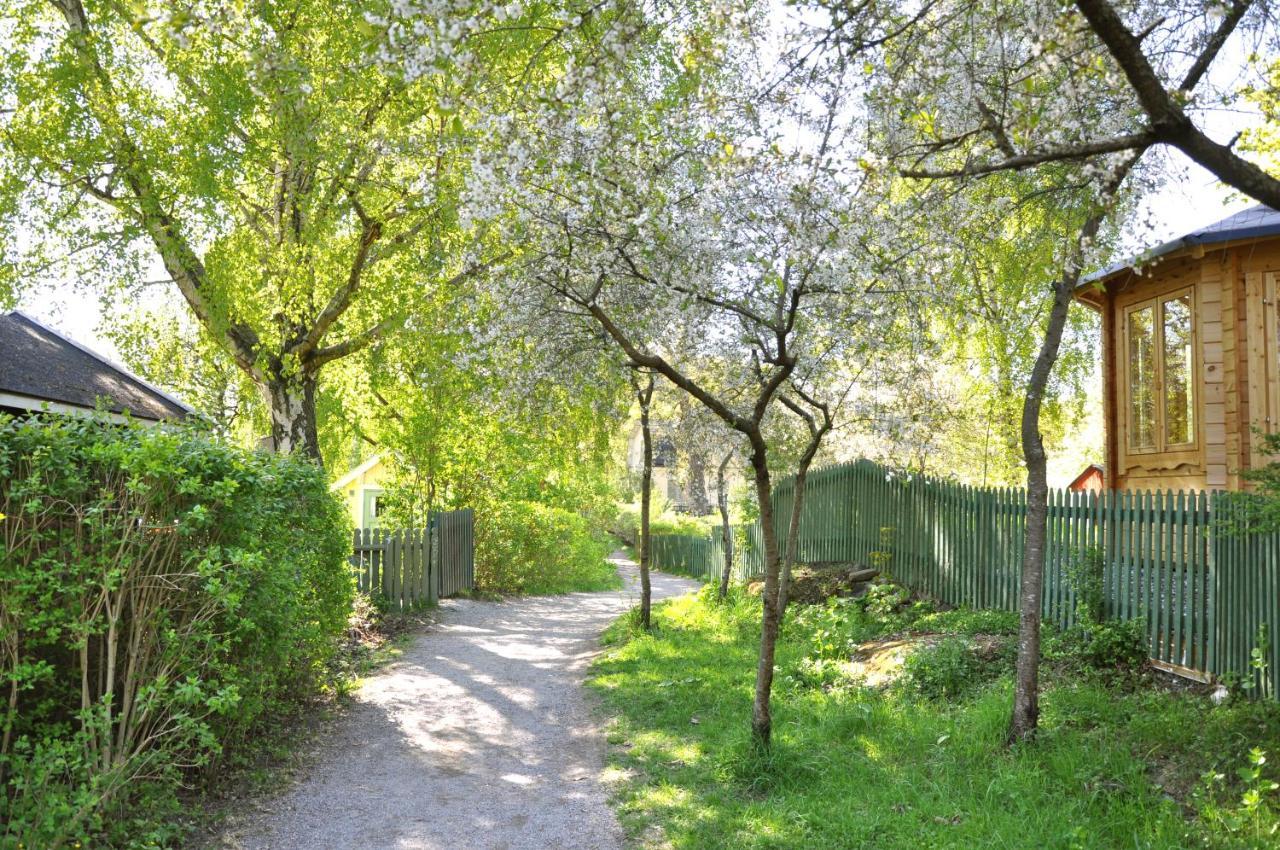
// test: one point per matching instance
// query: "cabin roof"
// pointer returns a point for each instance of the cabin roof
(1257, 222)
(368, 464)
(39, 366)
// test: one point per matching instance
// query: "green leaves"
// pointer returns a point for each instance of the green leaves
(213, 579)
(301, 192)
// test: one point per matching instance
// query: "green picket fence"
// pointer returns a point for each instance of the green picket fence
(414, 567)
(1209, 598)
(703, 557)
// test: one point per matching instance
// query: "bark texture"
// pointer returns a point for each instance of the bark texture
(644, 395)
(726, 530)
(761, 715)
(699, 504)
(291, 402)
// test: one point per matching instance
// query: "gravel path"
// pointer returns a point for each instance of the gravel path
(479, 736)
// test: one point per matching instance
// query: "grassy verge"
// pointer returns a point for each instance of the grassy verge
(1121, 762)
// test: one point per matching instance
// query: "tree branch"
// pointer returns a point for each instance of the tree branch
(180, 260)
(1214, 45)
(1084, 150)
(321, 356)
(1169, 122)
(370, 231)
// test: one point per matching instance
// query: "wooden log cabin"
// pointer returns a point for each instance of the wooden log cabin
(1190, 366)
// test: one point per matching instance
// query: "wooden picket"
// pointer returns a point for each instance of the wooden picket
(1209, 598)
(414, 567)
(456, 550)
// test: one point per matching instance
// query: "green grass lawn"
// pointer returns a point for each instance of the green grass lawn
(1126, 764)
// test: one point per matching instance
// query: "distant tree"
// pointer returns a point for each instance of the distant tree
(299, 195)
(651, 221)
(166, 348)
(706, 435)
(693, 456)
(1005, 242)
(472, 409)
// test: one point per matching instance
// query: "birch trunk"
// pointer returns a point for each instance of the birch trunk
(699, 504)
(291, 402)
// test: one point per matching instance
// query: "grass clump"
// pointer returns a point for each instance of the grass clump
(964, 621)
(953, 667)
(922, 764)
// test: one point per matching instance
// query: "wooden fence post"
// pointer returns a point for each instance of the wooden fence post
(433, 560)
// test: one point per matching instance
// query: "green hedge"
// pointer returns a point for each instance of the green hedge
(160, 594)
(525, 547)
(626, 524)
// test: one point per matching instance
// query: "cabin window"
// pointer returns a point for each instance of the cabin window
(1161, 373)
(1142, 379)
(1179, 415)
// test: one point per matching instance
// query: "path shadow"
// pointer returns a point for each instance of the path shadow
(479, 736)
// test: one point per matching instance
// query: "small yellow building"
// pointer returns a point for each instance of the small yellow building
(362, 491)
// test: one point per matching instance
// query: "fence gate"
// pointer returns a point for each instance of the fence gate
(414, 567)
(455, 551)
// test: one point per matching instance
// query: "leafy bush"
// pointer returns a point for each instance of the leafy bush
(1098, 643)
(1255, 817)
(885, 600)
(525, 547)
(952, 668)
(1109, 646)
(160, 593)
(823, 673)
(626, 524)
(831, 631)
(966, 621)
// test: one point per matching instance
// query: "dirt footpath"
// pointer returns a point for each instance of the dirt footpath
(479, 736)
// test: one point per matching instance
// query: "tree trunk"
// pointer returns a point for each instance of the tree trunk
(1026, 702)
(726, 530)
(816, 433)
(793, 538)
(699, 504)
(761, 717)
(1026, 685)
(644, 395)
(291, 402)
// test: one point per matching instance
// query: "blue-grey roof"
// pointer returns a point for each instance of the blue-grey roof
(1257, 222)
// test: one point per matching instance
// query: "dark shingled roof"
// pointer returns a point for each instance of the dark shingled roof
(1257, 222)
(39, 363)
